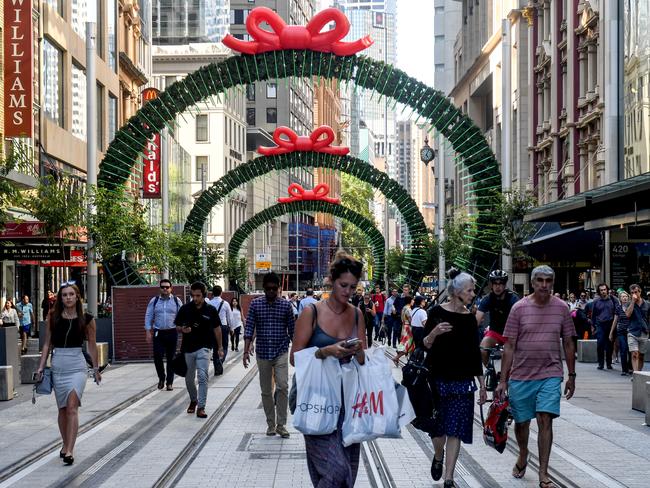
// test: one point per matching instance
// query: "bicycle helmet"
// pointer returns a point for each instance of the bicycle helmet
(498, 274)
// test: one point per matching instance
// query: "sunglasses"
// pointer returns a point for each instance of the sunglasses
(67, 283)
(165, 287)
(498, 283)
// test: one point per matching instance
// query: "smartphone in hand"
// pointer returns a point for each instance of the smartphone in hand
(350, 343)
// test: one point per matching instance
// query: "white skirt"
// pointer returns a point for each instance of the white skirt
(69, 373)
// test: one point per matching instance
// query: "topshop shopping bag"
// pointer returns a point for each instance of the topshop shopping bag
(371, 406)
(318, 396)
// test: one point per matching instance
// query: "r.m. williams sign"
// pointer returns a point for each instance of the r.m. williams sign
(18, 68)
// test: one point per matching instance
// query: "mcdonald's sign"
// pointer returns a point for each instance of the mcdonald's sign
(151, 178)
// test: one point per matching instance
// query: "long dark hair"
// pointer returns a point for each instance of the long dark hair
(237, 306)
(57, 312)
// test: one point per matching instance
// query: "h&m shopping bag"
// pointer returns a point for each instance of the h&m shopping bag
(318, 398)
(371, 406)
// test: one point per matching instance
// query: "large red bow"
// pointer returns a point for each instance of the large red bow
(298, 193)
(285, 36)
(303, 143)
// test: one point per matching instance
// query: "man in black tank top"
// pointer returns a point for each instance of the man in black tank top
(498, 304)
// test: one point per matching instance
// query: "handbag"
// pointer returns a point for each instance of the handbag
(318, 393)
(179, 365)
(415, 377)
(44, 385)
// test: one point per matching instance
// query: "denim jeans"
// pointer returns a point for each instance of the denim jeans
(378, 317)
(603, 344)
(198, 363)
(624, 352)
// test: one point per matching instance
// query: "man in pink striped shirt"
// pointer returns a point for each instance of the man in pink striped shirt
(532, 363)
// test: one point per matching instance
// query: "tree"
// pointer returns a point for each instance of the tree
(455, 246)
(237, 271)
(10, 193)
(394, 262)
(510, 212)
(356, 195)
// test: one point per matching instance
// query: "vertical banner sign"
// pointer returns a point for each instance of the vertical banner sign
(152, 153)
(18, 68)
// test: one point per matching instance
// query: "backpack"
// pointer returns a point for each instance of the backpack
(155, 302)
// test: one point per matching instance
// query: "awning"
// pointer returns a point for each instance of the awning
(603, 205)
(549, 230)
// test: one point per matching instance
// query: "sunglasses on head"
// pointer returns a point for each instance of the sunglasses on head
(67, 283)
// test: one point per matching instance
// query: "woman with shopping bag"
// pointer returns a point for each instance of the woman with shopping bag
(335, 329)
(454, 360)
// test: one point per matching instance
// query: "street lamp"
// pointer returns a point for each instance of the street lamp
(427, 155)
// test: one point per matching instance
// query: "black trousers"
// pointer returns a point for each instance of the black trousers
(604, 346)
(164, 345)
(225, 335)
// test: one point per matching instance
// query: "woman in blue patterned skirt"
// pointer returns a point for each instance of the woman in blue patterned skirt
(327, 325)
(454, 360)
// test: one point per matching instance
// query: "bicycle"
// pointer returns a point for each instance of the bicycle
(492, 376)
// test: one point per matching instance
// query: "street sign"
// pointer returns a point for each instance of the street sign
(36, 253)
(262, 261)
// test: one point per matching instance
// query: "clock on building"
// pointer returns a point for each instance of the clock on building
(427, 154)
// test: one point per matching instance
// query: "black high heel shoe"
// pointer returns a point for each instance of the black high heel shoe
(61, 453)
(68, 460)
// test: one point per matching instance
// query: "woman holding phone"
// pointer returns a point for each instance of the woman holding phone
(338, 329)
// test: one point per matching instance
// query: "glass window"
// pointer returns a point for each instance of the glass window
(112, 38)
(78, 102)
(100, 117)
(100, 35)
(271, 115)
(112, 116)
(250, 116)
(271, 90)
(202, 128)
(57, 5)
(79, 10)
(201, 164)
(52, 82)
(250, 92)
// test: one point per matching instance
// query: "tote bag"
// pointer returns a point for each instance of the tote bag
(318, 393)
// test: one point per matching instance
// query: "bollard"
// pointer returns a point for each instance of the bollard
(29, 366)
(639, 379)
(6, 383)
(587, 351)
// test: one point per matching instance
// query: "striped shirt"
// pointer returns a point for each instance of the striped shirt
(273, 324)
(536, 331)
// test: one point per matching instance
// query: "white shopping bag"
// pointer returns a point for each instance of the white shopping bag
(318, 385)
(406, 412)
(371, 406)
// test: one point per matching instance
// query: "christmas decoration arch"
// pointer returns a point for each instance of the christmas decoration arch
(296, 51)
(414, 260)
(373, 237)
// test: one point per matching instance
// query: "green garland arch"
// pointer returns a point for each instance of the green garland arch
(414, 261)
(374, 238)
(474, 155)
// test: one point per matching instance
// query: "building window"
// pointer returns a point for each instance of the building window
(78, 102)
(201, 164)
(100, 117)
(112, 116)
(57, 5)
(271, 115)
(250, 92)
(79, 8)
(202, 128)
(271, 90)
(250, 116)
(112, 37)
(99, 30)
(52, 82)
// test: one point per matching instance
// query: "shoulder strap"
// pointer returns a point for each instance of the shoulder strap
(155, 302)
(356, 316)
(314, 316)
(220, 305)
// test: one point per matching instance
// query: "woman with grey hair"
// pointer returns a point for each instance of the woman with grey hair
(454, 360)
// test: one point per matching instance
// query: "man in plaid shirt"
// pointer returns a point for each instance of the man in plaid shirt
(270, 320)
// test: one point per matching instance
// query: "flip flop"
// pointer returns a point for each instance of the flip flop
(519, 472)
(547, 484)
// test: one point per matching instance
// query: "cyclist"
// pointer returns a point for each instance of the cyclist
(498, 303)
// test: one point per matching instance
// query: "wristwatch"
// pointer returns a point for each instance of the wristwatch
(572, 375)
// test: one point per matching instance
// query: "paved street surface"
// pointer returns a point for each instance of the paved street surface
(133, 434)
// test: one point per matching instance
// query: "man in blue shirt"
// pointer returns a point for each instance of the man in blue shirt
(637, 332)
(308, 300)
(26, 313)
(270, 320)
(160, 329)
(390, 314)
(603, 311)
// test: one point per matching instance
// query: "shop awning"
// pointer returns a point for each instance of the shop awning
(549, 230)
(552, 242)
(623, 202)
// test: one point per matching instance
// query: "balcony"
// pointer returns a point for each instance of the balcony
(131, 70)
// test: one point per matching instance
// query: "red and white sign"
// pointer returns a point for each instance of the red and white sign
(18, 68)
(151, 175)
(77, 260)
(23, 230)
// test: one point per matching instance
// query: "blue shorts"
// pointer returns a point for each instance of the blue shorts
(529, 397)
(26, 328)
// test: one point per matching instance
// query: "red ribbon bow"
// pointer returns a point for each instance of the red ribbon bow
(303, 143)
(298, 193)
(285, 36)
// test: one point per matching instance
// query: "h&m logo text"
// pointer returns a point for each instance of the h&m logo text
(372, 404)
